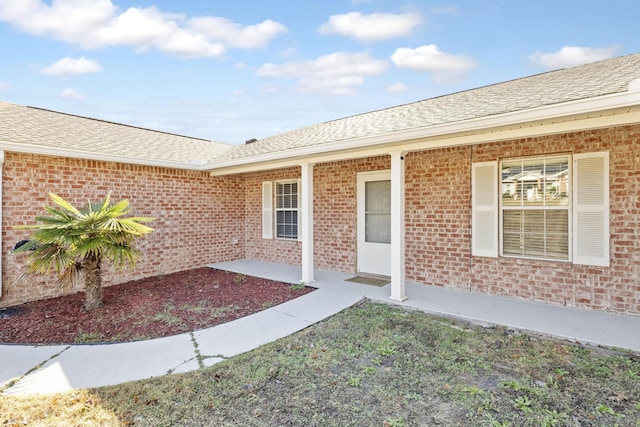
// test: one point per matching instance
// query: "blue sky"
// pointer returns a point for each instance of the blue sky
(235, 70)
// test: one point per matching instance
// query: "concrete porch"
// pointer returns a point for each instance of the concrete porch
(578, 325)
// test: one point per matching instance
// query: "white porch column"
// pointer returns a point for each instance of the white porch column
(398, 271)
(307, 222)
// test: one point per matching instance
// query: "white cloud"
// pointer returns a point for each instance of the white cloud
(374, 27)
(139, 28)
(70, 93)
(3, 85)
(68, 20)
(570, 56)
(94, 24)
(70, 66)
(338, 73)
(186, 44)
(444, 67)
(236, 35)
(397, 88)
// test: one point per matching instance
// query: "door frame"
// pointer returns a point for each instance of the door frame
(371, 258)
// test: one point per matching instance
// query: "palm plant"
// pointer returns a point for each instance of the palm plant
(75, 241)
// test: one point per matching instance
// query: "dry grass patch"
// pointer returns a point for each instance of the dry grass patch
(80, 408)
(378, 365)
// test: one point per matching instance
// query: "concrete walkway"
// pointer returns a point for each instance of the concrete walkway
(49, 369)
(578, 325)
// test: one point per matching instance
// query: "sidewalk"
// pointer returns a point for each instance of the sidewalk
(578, 325)
(49, 369)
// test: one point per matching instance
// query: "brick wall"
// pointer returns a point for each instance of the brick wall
(335, 211)
(270, 250)
(437, 194)
(438, 218)
(614, 288)
(197, 215)
(334, 225)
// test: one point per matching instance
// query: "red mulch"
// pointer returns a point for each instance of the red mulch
(143, 309)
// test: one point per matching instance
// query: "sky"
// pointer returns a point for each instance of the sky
(234, 70)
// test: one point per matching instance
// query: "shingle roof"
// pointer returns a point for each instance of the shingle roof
(570, 84)
(53, 130)
(45, 128)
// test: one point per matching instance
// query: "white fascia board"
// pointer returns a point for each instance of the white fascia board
(374, 145)
(619, 117)
(86, 155)
(549, 112)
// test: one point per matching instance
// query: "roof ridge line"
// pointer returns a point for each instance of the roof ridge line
(472, 89)
(123, 124)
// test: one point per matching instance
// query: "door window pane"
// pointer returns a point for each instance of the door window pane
(378, 211)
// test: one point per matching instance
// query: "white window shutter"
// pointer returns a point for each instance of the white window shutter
(299, 207)
(591, 209)
(267, 210)
(484, 215)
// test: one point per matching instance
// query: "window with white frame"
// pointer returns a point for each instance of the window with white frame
(287, 210)
(554, 207)
(284, 213)
(534, 211)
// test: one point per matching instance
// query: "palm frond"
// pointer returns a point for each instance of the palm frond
(66, 237)
(119, 209)
(25, 246)
(70, 276)
(100, 206)
(123, 256)
(141, 219)
(64, 204)
(50, 256)
(127, 225)
(57, 213)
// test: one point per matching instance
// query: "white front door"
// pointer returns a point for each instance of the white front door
(374, 222)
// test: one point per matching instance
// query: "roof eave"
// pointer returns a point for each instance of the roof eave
(548, 112)
(87, 155)
(344, 148)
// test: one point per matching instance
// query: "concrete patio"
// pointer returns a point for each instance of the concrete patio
(578, 325)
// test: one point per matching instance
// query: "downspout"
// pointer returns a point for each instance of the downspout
(1, 188)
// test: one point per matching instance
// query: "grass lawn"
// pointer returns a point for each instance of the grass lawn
(371, 365)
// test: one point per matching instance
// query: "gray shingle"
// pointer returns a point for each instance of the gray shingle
(35, 126)
(570, 84)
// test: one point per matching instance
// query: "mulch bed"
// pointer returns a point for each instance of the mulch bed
(143, 309)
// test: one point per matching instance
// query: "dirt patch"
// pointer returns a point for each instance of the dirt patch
(148, 308)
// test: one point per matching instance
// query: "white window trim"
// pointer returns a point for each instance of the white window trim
(483, 247)
(273, 210)
(567, 208)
